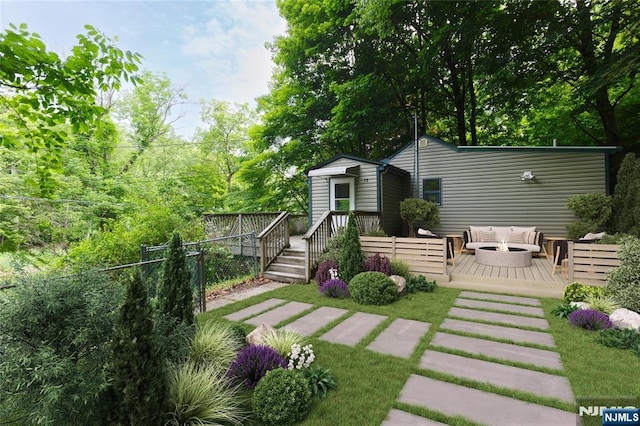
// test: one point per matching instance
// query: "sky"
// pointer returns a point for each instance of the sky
(213, 49)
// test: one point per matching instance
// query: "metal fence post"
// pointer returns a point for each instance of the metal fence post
(255, 257)
(201, 280)
(144, 256)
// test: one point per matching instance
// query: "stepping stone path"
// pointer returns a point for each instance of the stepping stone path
(487, 317)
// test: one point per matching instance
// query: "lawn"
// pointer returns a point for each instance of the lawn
(369, 383)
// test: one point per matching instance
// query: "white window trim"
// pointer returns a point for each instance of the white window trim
(352, 191)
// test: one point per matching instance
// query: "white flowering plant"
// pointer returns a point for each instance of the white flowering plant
(300, 356)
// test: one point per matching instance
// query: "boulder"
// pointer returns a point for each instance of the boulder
(625, 318)
(400, 281)
(580, 305)
(257, 335)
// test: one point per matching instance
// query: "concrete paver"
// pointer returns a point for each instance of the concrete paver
(279, 314)
(241, 294)
(253, 310)
(402, 418)
(503, 351)
(400, 338)
(479, 406)
(505, 376)
(499, 332)
(314, 321)
(508, 319)
(504, 307)
(499, 298)
(353, 329)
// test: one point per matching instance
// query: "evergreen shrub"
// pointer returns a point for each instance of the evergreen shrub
(623, 282)
(373, 288)
(577, 292)
(282, 397)
(252, 363)
(175, 296)
(419, 283)
(351, 256)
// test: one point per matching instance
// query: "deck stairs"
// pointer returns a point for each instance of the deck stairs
(289, 267)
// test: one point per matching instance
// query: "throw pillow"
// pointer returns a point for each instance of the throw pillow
(516, 237)
(592, 237)
(487, 236)
(530, 237)
(426, 232)
(523, 229)
(475, 232)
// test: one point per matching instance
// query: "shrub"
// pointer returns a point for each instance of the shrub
(252, 363)
(377, 263)
(334, 247)
(214, 343)
(420, 283)
(320, 380)
(350, 263)
(174, 337)
(623, 281)
(604, 304)
(578, 229)
(283, 397)
(200, 394)
(282, 340)
(323, 273)
(590, 319)
(335, 288)
(577, 292)
(373, 288)
(626, 202)
(300, 357)
(239, 334)
(416, 211)
(592, 210)
(563, 310)
(175, 296)
(376, 233)
(136, 371)
(620, 338)
(399, 267)
(68, 353)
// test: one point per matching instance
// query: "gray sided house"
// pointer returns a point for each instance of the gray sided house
(479, 185)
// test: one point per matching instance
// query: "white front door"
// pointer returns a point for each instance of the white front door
(342, 197)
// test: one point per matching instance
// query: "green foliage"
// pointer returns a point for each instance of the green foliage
(602, 303)
(621, 339)
(175, 296)
(416, 211)
(200, 394)
(282, 339)
(351, 256)
(564, 309)
(239, 333)
(334, 247)
(174, 337)
(399, 267)
(320, 381)
(623, 281)
(577, 292)
(419, 283)
(626, 198)
(136, 370)
(54, 338)
(214, 343)
(282, 397)
(592, 211)
(373, 288)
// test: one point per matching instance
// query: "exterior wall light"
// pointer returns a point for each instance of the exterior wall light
(527, 175)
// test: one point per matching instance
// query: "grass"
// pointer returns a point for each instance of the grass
(369, 383)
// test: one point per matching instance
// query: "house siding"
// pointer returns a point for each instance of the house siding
(483, 187)
(366, 188)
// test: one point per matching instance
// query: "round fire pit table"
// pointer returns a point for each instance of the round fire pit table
(514, 258)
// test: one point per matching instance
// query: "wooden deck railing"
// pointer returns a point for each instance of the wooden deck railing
(423, 255)
(317, 237)
(273, 239)
(589, 263)
(226, 224)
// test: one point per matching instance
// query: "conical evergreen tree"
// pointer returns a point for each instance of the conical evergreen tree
(137, 377)
(175, 296)
(351, 257)
(626, 201)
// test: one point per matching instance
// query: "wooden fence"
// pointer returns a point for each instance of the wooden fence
(589, 263)
(423, 255)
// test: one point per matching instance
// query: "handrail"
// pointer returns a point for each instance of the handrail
(273, 239)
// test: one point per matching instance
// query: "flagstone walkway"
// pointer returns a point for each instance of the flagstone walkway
(502, 341)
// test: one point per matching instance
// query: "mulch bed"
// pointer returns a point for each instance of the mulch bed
(252, 282)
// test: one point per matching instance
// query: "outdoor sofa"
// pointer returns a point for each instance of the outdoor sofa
(515, 236)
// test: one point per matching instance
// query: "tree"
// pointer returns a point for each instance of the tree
(626, 197)
(47, 98)
(175, 296)
(351, 257)
(415, 211)
(137, 377)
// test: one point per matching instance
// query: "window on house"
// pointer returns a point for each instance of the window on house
(431, 190)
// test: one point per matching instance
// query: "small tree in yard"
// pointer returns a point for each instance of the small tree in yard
(593, 210)
(175, 297)
(137, 390)
(626, 198)
(415, 212)
(351, 256)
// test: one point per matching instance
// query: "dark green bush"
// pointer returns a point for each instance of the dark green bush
(334, 247)
(420, 283)
(373, 288)
(626, 198)
(578, 292)
(623, 282)
(620, 338)
(416, 211)
(351, 257)
(320, 380)
(563, 310)
(175, 295)
(282, 397)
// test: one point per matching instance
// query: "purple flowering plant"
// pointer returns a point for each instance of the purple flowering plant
(590, 319)
(324, 271)
(252, 363)
(335, 288)
(377, 263)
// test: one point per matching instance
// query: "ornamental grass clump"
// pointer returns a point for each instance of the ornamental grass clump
(335, 288)
(252, 363)
(604, 304)
(214, 343)
(377, 263)
(282, 397)
(590, 319)
(282, 339)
